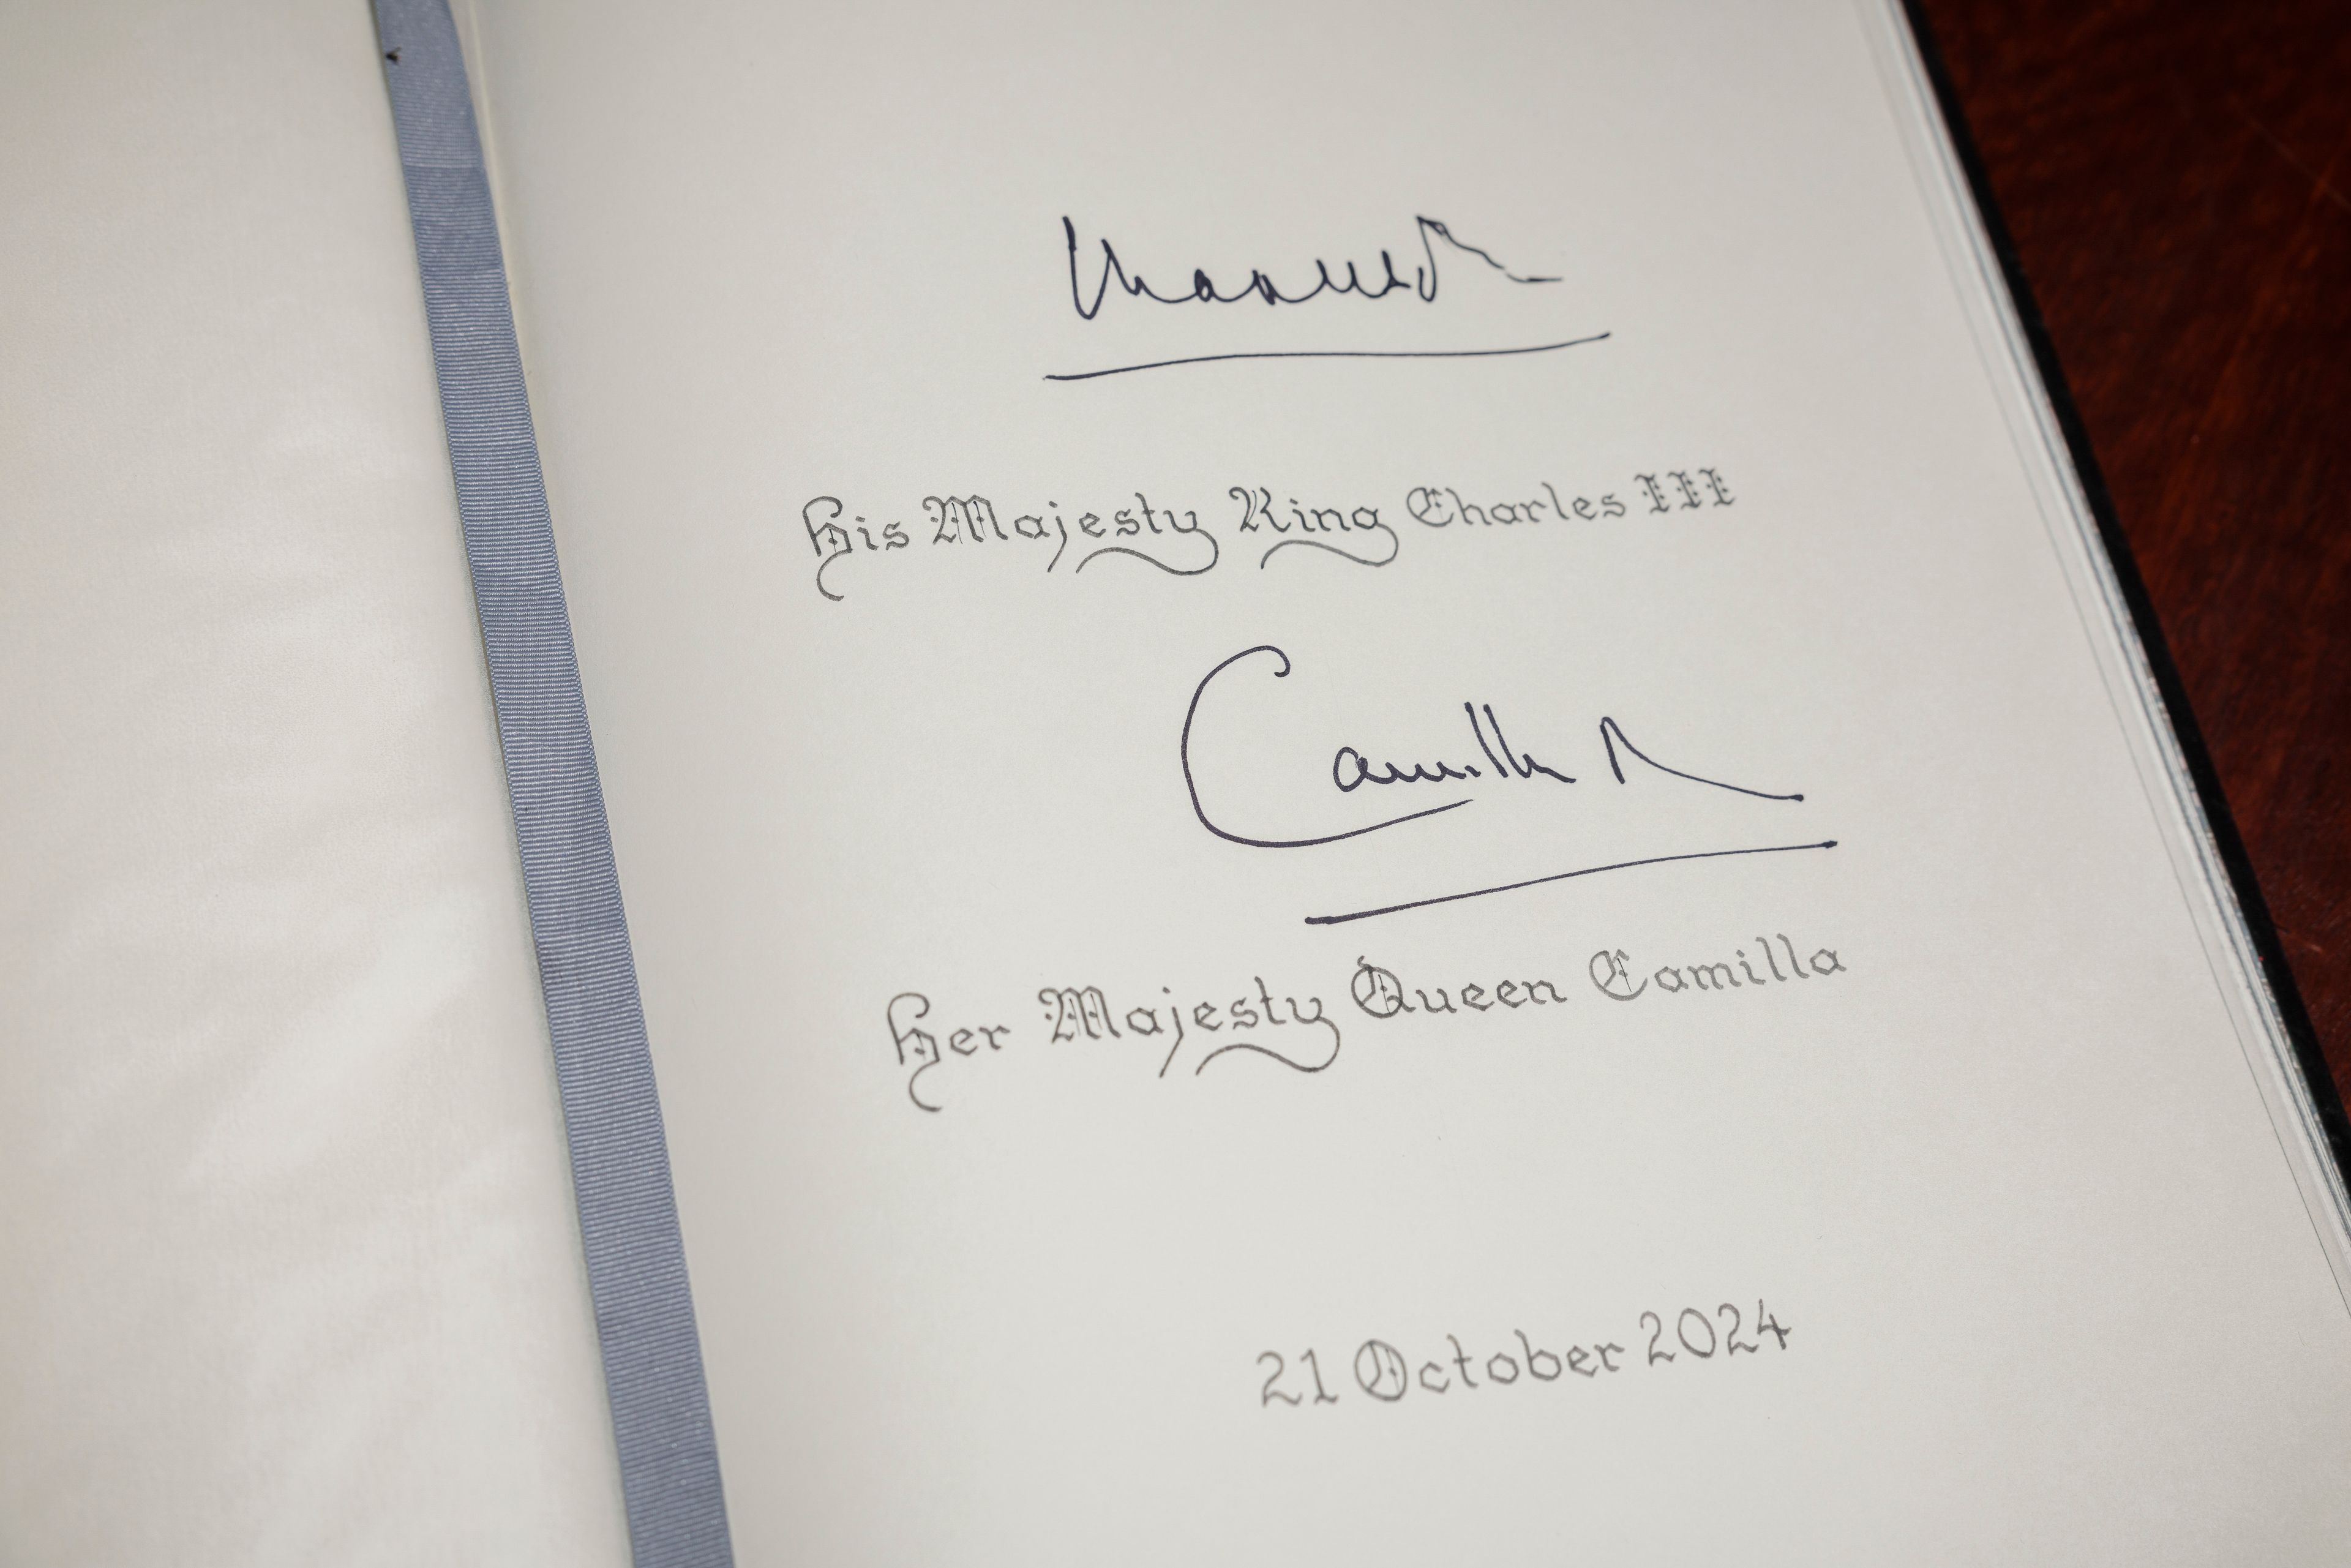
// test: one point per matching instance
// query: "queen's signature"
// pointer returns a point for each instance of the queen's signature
(1496, 763)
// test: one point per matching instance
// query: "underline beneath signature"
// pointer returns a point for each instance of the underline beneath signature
(1333, 354)
(1561, 876)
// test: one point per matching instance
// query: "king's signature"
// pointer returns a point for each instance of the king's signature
(1201, 289)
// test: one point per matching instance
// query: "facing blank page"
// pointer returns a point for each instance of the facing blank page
(288, 1267)
(1381, 803)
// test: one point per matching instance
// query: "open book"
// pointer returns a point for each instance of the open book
(1383, 798)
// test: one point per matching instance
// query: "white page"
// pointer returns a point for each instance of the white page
(2002, 1158)
(289, 1271)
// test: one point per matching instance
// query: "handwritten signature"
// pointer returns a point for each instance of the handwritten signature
(1202, 289)
(1435, 240)
(1352, 769)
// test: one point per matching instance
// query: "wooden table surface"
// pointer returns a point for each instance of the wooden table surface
(2177, 181)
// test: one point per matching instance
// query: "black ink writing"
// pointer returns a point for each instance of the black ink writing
(1261, 286)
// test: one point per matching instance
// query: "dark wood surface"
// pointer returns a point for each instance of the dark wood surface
(2177, 181)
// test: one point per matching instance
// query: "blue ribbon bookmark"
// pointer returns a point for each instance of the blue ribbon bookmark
(611, 1113)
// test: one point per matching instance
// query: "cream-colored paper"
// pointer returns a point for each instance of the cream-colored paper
(1976, 1105)
(1973, 1103)
(289, 1267)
